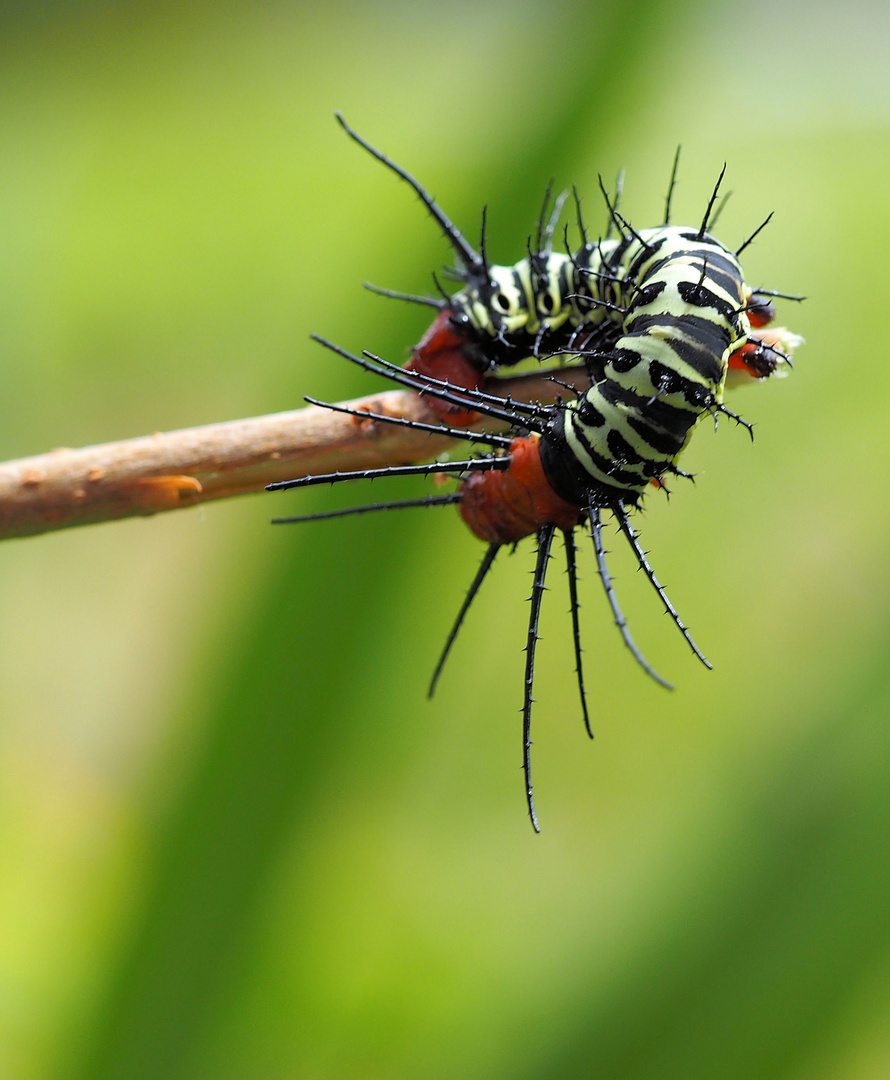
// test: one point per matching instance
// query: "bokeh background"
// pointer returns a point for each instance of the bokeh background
(235, 839)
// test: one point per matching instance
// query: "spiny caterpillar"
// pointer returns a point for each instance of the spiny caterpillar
(551, 303)
(679, 314)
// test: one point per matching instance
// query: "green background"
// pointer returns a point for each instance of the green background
(235, 839)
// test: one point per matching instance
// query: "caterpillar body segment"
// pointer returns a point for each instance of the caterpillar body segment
(596, 299)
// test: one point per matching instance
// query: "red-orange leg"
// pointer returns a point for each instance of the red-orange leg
(443, 354)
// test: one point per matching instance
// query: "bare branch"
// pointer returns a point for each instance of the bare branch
(177, 469)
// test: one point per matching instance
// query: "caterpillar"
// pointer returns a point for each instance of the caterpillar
(549, 301)
(683, 315)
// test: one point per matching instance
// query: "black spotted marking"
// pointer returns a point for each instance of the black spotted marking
(697, 395)
(589, 414)
(621, 450)
(701, 296)
(624, 360)
(645, 295)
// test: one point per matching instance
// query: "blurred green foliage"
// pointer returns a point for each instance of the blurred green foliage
(237, 841)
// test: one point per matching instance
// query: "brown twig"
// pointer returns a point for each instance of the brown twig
(176, 469)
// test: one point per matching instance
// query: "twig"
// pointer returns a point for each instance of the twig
(177, 469)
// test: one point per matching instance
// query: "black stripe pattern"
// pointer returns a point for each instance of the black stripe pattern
(665, 309)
